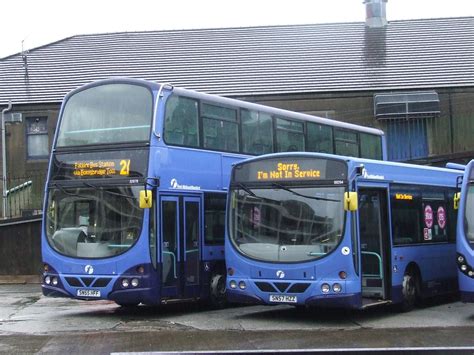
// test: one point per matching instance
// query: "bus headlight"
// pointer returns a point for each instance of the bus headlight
(460, 259)
(471, 273)
(325, 288)
(242, 285)
(233, 284)
(54, 281)
(336, 287)
(47, 280)
(134, 282)
(463, 267)
(125, 283)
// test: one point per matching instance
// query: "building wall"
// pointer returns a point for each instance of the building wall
(20, 248)
(22, 170)
(447, 137)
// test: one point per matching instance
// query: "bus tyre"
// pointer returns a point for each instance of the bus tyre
(409, 292)
(217, 292)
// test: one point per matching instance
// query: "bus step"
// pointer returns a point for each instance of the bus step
(370, 302)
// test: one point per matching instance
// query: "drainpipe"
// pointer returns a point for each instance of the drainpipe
(4, 160)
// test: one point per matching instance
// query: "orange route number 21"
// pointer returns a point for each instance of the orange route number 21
(125, 167)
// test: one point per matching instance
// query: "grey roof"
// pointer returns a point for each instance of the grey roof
(410, 54)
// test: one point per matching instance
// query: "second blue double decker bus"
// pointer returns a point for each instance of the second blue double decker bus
(465, 235)
(322, 230)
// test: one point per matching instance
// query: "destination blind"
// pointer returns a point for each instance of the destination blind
(291, 169)
(94, 165)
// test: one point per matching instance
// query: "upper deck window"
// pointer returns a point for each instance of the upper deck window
(220, 128)
(289, 135)
(112, 113)
(257, 133)
(182, 121)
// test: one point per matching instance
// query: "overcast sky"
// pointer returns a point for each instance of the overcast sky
(39, 22)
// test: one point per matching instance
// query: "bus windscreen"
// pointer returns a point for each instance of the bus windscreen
(113, 113)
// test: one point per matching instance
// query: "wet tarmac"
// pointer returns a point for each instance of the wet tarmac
(31, 323)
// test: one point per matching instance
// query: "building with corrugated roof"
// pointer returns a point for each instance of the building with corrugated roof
(414, 79)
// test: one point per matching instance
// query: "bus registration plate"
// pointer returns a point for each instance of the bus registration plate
(88, 293)
(283, 299)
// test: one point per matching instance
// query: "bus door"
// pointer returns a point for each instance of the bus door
(374, 243)
(180, 221)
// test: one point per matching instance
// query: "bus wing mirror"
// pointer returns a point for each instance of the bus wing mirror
(145, 199)
(350, 201)
(457, 198)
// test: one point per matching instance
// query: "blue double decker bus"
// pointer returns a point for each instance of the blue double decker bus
(465, 235)
(322, 230)
(135, 198)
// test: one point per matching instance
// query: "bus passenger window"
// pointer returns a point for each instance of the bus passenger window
(214, 218)
(406, 218)
(346, 143)
(370, 146)
(220, 128)
(319, 138)
(181, 122)
(435, 220)
(257, 130)
(289, 136)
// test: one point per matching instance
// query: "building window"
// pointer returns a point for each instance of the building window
(37, 138)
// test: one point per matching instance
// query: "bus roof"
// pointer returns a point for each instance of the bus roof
(231, 102)
(380, 170)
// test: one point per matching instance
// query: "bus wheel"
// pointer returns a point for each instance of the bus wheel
(217, 293)
(409, 291)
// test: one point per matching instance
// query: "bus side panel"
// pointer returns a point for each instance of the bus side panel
(434, 265)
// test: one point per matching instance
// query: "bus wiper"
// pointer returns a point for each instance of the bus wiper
(64, 191)
(246, 189)
(95, 187)
(315, 253)
(306, 196)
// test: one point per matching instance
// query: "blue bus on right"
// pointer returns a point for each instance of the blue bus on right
(465, 236)
(311, 229)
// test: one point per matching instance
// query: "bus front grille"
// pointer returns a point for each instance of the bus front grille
(282, 287)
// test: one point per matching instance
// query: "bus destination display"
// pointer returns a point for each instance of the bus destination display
(285, 169)
(288, 171)
(100, 168)
(96, 165)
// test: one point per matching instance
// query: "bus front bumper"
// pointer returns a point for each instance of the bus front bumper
(353, 300)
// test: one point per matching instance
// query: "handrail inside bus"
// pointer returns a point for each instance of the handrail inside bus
(380, 263)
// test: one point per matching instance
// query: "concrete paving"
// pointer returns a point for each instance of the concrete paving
(31, 323)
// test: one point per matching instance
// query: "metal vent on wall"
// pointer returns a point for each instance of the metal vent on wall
(406, 105)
